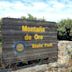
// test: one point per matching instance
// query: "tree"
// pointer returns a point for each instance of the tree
(65, 28)
(23, 17)
(66, 23)
(30, 17)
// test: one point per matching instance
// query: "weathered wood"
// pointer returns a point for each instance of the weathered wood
(12, 35)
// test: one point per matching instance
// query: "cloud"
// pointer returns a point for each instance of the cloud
(52, 10)
(4, 5)
(39, 5)
(58, 5)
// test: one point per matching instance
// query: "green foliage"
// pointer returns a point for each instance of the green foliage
(23, 17)
(30, 17)
(63, 24)
(66, 23)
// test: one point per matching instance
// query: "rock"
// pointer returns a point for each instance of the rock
(63, 54)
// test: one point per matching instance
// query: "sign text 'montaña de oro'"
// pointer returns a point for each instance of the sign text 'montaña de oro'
(28, 37)
(33, 29)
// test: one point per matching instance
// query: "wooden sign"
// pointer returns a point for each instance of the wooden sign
(20, 36)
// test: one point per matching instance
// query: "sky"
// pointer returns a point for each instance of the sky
(51, 10)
